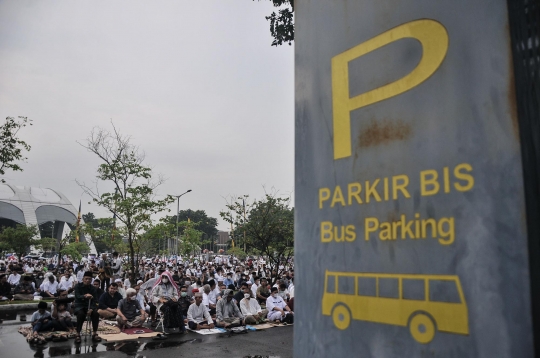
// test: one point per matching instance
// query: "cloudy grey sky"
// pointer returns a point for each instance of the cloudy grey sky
(195, 83)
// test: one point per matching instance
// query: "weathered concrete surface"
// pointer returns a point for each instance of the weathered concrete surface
(274, 342)
(22, 306)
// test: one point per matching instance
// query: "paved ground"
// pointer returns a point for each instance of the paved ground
(274, 342)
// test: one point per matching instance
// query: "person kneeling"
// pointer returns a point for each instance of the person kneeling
(251, 309)
(130, 312)
(198, 315)
(227, 312)
(277, 308)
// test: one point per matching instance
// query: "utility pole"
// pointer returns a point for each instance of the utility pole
(178, 214)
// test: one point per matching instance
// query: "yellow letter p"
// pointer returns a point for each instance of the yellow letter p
(434, 40)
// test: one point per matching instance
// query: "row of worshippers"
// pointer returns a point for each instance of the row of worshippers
(231, 272)
(26, 289)
(176, 307)
(86, 305)
(229, 312)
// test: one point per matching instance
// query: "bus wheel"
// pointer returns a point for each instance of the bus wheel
(422, 328)
(341, 317)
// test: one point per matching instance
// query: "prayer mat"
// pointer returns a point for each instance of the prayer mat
(103, 328)
(260, 326)
(208, 331)
(137, 330)
(281, 324)
(127, 337)
(26, 331)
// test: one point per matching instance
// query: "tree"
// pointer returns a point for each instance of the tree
(282, 23)
(204, 223)
(101, 232)
(191, 238)
(155, 235)
(237, 252)
(75, 250)
(20, 238)
(48, 244)
(133, 199)
(269, 228)
(11, 147)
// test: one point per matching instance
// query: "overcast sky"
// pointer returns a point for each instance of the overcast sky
(195, 83)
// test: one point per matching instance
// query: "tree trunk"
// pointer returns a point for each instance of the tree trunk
(132, 258)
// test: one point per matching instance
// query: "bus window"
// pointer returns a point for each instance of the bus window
(443, 291)
(413, 289)
(346, 285)
(367, 286)
(331, 284)
(389, 287)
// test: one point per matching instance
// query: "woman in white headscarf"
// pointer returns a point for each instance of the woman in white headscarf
(164, 295)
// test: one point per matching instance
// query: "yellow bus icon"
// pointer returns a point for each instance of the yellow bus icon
(424, 303)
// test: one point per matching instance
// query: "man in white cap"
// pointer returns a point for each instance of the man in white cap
(141, 297)
(121, 289)
(130, 312)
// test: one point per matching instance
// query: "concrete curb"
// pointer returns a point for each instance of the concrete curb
(22, 306)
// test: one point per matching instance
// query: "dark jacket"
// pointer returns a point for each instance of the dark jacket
(238, 297)
(108, 301)
(184, 303)
(5, 290)
(24, 286)
(81, 302)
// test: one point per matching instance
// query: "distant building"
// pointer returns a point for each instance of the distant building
(223, 237)
(38, 206)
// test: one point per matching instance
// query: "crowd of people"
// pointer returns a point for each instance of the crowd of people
(171, 294)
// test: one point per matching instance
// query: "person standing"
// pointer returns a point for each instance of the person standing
(116, 266)
(105, 272)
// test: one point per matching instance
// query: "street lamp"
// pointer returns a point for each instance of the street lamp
(177, 215)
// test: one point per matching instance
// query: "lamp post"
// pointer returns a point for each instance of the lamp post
(177, 215)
